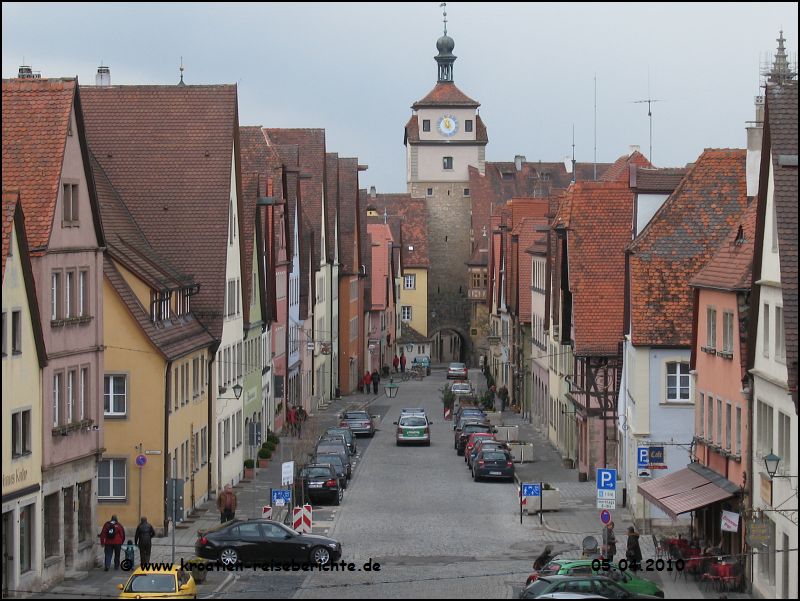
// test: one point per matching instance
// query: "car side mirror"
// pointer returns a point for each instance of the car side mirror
(288, 536)
(395, 423)
(120, 586)
(183, 587)
(430, 422)
(373, 416)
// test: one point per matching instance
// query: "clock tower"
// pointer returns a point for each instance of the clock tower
(443, 138)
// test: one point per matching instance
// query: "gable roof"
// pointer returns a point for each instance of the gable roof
(14, 223)
(621, 169)
(331, 202)
(408, 220)
(646, 179)
(679, 241)
(310, 145)
(528, 232)
(169, 152)
(445, 94)
(380, 236)
(36, 121)
(598, 230)
(411, 131)
(349, 217)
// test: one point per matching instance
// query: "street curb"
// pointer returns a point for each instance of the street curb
(228, 579)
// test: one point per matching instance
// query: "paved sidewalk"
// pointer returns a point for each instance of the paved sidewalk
(251, 496)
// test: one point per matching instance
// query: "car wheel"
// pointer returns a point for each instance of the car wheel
(475, 476)
(320, 556)
(338, 499)
(229, 557)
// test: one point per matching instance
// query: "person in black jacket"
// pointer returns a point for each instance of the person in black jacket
(634, 552)
(144, 540)
(376, 378)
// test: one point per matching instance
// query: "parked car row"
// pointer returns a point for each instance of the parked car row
(474, 438)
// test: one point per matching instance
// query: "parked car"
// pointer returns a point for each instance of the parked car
(340, 448)
(583, 567)
(462, 436)
(423, 361)
(349, 437)
(493, 463)
(582, 585)
(485, 443)
(339, 437)
(260, 541)
(146, 583)
(336, 462)
(321, 482)
(467, 411)
(359, 422)
(461, 388)
(413, 428)
(473, 437)
(457, 371)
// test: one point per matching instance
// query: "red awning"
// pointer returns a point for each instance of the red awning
(687, 489)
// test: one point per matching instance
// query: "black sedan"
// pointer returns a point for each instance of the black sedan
(321, 482)
(252, 542)
(493, 463)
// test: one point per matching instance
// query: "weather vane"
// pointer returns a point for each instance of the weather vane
(443, 6)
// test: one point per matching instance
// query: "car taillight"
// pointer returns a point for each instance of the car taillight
(330, 483)
(427, 430)
(342, 424)
(203, 540)
(509, 464)
(399, 430)
(481, 462)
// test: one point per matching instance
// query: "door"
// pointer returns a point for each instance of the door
(69, 528)
(8, 546)
(282, 545)
(249, 542)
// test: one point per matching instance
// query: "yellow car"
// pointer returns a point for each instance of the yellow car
(173, 583)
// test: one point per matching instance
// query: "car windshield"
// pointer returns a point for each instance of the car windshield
(537, 588)
(331, 448)
(413, 421)
(336, 431)
(412, 410)
(494, 456)
(316, 472)
(457, 366)
(151, 583)
(357, 415)
(472, 428)
(550, 568)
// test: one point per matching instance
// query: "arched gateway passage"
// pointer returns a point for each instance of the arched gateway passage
(449, 344)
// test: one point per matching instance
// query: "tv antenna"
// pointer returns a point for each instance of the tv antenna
(649, 100)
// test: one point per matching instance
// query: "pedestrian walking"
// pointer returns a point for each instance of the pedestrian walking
(292, 419)
(403, 363)
(144, 540)
(609, 542)
(111, 537)
(634, 552)
(376, 378)
(226, 504)
(367, 382)
(396, 363)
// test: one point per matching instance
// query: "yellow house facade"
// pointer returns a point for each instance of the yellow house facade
(23, 359)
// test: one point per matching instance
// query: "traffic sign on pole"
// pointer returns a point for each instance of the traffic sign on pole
(606, 479)
(606, 503)
(605, 516)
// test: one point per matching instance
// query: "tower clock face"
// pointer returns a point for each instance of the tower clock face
(448, 125)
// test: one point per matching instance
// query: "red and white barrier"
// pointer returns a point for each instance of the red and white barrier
(266, 512)
(301, 519)
(448, 413)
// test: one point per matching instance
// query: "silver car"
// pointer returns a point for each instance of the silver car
(413, 428)
(359, 422)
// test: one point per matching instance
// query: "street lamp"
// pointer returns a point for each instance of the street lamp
(237, 391)
(771, 462)
(391, 388)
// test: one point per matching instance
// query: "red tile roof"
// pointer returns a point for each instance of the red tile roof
(311, 160)
(349, 217)
(168, 150)
(10, 200)
(678, 242)
(380, 235)
(331, 201)
(408, 220)
(598, 230)
(526, 229)
(445, 94)
(731, 267)
(35, 123)
(645, 179)
(621, 169)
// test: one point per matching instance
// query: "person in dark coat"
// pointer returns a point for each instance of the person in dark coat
(403, 363)
(634, 552)
(609, 542)
(111, 537)
(144, 540)
(376, 379)
(396, 363)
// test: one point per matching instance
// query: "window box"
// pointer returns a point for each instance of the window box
(725, 355)
(709, 350)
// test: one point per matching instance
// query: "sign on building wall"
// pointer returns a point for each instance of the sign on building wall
(278, 381)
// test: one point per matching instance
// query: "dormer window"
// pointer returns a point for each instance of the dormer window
(159, 305)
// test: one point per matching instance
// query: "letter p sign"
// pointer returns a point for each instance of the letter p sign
(606, 479)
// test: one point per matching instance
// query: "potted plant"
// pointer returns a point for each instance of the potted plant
(249, 469)
(264, 453)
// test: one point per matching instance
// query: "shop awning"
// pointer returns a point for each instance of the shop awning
(688, 489)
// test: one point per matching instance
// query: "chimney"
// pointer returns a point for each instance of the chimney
(755, 132)
(518, 160)
(372, 192)
(103, 77)
(634, 148)
(25, 72)
(568, 164)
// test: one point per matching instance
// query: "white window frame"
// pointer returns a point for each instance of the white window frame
(711, 327)
(406, 313)
(727, 332)
(55, 295)
(680, 376)
(780, 335)
(765, 327)
(410, 281)
(69, 414)
(113, 475)
(57, 386)
(108, 385)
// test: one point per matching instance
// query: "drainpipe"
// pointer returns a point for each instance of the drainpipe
(168, 405)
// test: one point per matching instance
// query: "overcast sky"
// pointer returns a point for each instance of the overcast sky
(356, 69)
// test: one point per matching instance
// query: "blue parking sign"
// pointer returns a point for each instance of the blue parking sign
(531, 490)
(642, 457)
(281, 497)
(606, 479)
